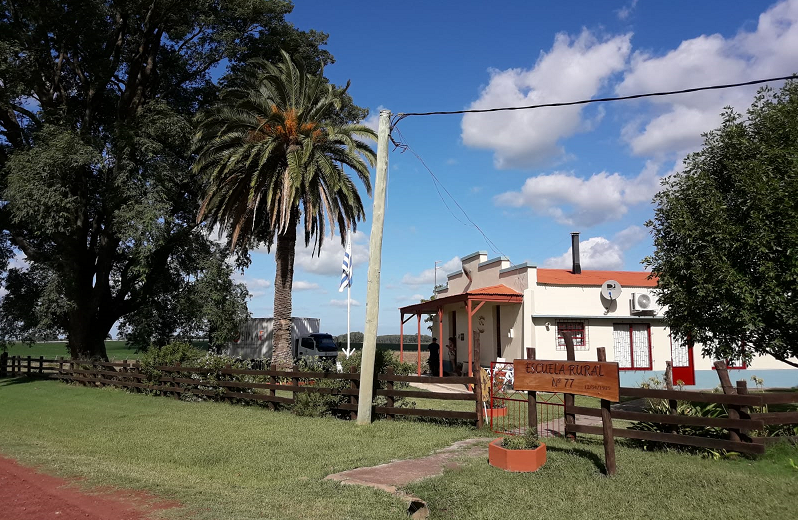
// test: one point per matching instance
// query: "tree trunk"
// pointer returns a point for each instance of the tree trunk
(282, 357)
(86, 336)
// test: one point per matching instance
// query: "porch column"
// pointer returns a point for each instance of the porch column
(418, 338)
(401, 337)
(440, 337)
(470, 340)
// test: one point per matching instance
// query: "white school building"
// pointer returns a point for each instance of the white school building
(506, 308)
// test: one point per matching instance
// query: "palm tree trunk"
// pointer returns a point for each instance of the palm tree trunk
(282, 358)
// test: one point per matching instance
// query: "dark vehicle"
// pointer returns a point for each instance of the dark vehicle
(320, 345)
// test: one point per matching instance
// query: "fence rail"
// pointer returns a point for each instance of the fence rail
(262, 386)
(738, 423)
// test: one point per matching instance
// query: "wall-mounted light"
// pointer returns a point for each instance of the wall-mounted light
(548, 325)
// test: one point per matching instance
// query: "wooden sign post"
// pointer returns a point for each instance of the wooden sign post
(592, 378)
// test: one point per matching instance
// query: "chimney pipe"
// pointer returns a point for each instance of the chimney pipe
(577, 266)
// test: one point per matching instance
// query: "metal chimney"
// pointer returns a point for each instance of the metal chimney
(577, 265)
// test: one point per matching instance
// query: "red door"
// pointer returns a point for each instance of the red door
(682, 359)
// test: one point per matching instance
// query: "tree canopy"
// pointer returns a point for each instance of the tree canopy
(97, 99)
(726, 235)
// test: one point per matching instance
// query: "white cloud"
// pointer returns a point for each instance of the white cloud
(300, 285)
(572, 200)
(342, 303)
(630, 236)
(626, 11)
(600, 253)
(328, 263)
(257, 282)
(427, 276)
(574, 68)
(676, 123)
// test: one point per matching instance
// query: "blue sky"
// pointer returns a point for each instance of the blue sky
(528, 178)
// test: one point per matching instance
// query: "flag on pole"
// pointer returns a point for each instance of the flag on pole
(346, 265)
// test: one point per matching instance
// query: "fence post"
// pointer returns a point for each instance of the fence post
(60, 367)
(28, 366)
(389, 389)
(672, 403)
(41, 365)
(3, 364)
(476, 371)
(137, 370)
(531, 398)
(175, 384)
(354, 384)
(272, 391)
(124, 377)
(606, 424)
(568, 399)
(294, 383)
(742, 389)
(733, 410)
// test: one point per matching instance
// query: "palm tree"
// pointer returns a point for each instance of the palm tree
(270, 153)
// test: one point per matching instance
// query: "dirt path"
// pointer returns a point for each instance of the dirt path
(26, 494)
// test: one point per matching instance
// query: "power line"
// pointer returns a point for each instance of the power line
(404, 146)
(402, 115)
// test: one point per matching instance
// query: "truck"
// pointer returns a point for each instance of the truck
(256, 340)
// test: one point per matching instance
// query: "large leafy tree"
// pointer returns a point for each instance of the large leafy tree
(271, 152)
(97, 99)
(726, 235)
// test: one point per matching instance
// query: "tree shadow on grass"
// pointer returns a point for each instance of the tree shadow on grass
(9, 381)
(583, 453)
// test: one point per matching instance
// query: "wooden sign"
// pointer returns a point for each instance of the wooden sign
(591, 378)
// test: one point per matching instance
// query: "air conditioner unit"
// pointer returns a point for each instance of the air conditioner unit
(642, 303)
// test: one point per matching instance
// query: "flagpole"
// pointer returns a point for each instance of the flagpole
(349, 292)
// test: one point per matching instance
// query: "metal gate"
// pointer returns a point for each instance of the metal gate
(508, 409)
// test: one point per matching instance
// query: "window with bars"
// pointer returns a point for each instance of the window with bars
(632, 343)
(577, 331)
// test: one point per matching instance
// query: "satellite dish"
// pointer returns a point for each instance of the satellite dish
(610, 290)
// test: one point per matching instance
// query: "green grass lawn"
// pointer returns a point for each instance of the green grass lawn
(221, 461)
(662, 485)
(235, 462)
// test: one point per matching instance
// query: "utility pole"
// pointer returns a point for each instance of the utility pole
(366, 394)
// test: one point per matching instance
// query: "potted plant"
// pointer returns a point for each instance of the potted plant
(522, 453)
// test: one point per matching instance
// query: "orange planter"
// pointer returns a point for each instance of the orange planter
(516, 460)
(496, 412)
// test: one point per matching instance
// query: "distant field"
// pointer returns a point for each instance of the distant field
(117, 350)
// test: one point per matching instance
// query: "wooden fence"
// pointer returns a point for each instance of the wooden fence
(273, 387)
(741, 423)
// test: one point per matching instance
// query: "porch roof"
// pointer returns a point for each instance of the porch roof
(494, 293)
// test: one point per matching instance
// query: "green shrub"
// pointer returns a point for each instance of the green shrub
(169, 355)
(527, 441)
(324, 404)
(315, 404)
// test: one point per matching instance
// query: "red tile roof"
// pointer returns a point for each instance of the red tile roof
(498, 290)
(595, 278)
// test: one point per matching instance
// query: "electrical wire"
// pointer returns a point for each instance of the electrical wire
(437, 182)
(402, 115)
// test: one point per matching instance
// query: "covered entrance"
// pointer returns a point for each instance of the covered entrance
(446, 308)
